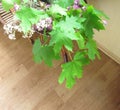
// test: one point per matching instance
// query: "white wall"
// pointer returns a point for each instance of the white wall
(109, 39)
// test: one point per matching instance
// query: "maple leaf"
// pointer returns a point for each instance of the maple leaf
(73, 69)
(28, 17)
(64, 3)
(43, 53)
(93, 22)
(92, 49)
(82, 57)
(59, 39)
(99, 13)
(70, 71)
(56, 9)
(80, 41)
(64, 32)
(8, 4)
(68, 26)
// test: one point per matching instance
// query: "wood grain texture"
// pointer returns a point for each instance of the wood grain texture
(25, 85)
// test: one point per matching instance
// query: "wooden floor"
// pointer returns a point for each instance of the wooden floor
(25, 85)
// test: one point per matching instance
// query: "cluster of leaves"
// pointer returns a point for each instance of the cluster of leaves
(69, 25)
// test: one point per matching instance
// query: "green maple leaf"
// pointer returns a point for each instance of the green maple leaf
(68, 26)
(92, 49)
(59, 39)
(56, 9)
(82, 57)
(64, 32)
(74, 12)
(100, 13)
(64, 3)
(93, 21)
(70, 71)
(28, 17)
(73, 69)
(80, 41)
(8, 4)
(43, 53)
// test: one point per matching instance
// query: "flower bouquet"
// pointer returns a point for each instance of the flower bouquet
(65, 30)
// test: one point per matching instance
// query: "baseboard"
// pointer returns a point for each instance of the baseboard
(109, 53)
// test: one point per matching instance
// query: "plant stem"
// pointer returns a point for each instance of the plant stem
(69, 54)
(41, 39)
(64, 54)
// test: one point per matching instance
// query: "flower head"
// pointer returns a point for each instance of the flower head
(76, 2)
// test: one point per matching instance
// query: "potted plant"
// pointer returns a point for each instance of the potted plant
(66, 30)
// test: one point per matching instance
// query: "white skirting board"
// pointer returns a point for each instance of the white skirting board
(109, 53)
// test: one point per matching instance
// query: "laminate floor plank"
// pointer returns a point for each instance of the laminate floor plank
(25, 85)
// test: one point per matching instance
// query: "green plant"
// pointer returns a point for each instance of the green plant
(61, 25)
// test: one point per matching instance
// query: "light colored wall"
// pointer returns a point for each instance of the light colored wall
(109, 40)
